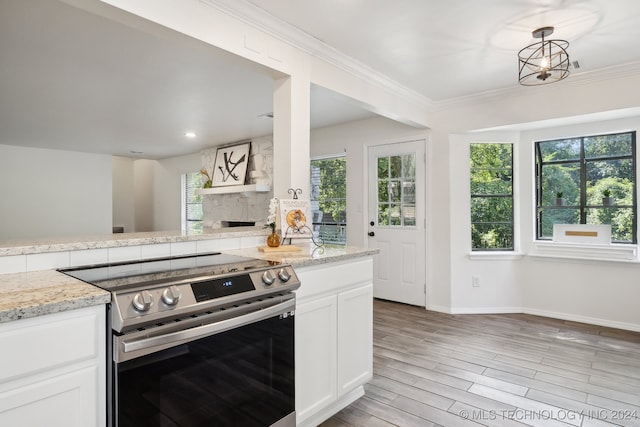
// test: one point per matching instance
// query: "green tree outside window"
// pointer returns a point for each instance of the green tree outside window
(586, 170)
(491, 180)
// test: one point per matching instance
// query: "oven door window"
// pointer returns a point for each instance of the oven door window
(242, 377)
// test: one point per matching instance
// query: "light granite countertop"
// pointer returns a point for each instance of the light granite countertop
(32, 294)
(74, 243)
(308, 254)
(24, 295)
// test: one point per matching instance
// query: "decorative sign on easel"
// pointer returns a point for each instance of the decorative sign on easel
(295, 219)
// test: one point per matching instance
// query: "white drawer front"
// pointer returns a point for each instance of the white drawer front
(34, 345)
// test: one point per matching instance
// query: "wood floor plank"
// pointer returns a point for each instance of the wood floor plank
(482, 379)
(537, 384)
(528, 410)
(511, 370)
(483, 416)
(390, 414)
(575, 408)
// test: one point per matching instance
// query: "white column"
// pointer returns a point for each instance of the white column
(291, 126)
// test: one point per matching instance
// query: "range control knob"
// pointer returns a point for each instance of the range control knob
(142, 301)
(284, 275)
(267, 277)
(171, 295)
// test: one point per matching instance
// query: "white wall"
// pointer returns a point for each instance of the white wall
(53, 193)
(167, 190)
(123, 193)
(147, 194)
(597, 292)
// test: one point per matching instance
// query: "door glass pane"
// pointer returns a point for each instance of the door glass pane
(397, 190)
(394, 191)
(396, 166)
(409, 215)
(408, 165)
(409, 192)
(383, 167)
(383, 214)
(394, 215)
(383, 191)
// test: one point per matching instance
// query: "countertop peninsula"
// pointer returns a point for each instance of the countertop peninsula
(37, 293)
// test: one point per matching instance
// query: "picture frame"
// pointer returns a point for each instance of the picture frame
(230, 165)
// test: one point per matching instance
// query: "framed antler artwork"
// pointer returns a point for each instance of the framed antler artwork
(230, 167)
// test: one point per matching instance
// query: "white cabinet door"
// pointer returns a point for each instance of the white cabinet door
(355, 338)
(67, 400)
(53, 370)
(316, 371)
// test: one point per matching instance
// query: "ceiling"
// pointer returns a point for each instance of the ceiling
(75, 80)
(455, 48)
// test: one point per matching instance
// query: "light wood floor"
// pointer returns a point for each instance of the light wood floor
(495, 370)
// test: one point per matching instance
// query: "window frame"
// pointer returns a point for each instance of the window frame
(186, 203)
(513, 247)
(342, 226)
(583, 163)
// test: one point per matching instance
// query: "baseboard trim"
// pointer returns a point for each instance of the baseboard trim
(332, 409)
(439, 309)
(538, 312)
(486, 310)
(584, 319)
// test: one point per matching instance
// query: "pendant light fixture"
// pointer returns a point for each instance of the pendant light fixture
(543, 62)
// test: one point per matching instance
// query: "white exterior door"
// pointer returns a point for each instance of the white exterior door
(396, 221)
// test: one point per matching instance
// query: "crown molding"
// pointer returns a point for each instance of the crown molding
(577, 79)
(287, 33)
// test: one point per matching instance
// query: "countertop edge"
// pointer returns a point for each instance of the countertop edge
(38, 293)
(308, 255)
(54, 307)
(28, 247)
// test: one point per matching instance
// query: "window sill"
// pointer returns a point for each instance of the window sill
(495, 255)
(582, 251)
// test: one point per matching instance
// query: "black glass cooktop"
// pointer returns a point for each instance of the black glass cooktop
(159, 271)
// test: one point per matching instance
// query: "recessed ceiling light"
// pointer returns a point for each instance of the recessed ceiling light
(190, 134)
(135, 152)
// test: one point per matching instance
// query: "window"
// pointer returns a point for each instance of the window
(491, 196)
(573, 177)
(192, 202)
(329, 199)
(397, 190)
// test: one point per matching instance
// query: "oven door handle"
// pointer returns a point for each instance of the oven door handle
(209, 329)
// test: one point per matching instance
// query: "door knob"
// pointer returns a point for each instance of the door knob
(371, 234)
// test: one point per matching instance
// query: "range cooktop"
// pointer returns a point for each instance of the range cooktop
(131, 274)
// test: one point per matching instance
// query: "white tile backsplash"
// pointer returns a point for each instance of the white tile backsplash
(48, 261)
(125, 253)
(89, 256)
(13, 264)
(183, 248)
(156, 251)
(252, 241)
(73, 258)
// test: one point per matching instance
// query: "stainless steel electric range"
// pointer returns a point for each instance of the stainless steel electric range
(199, 340)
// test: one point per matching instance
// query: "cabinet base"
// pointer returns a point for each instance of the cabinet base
(332, 409)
